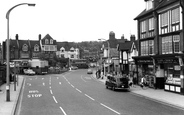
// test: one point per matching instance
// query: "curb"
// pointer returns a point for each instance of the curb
(159, 101)
(17, 98)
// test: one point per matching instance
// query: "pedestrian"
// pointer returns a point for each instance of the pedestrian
(154, 81)
(142, 83)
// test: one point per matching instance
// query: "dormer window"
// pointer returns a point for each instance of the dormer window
(149, 4)
(25, 47)
(62, 49)
(36, 47)
(72, 49)
(51, 41)
(46, 41)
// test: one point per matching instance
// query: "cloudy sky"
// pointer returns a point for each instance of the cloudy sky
(70, 20)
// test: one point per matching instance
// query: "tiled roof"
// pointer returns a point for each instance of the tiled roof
(143, 13)
(164, 3)
(22, 42)
(125, 46)
(13, 43)
(33, 43)
(48, 37)
(66, 45)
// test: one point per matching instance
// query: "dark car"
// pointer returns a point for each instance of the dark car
(117, 82)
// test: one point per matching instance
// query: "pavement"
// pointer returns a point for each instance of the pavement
(158, 95)
(8, 108)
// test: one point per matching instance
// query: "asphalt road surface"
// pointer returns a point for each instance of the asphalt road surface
(78, 93)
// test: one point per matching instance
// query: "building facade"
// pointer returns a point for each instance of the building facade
(160, 41)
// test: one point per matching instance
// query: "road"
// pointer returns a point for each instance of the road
(77, 93)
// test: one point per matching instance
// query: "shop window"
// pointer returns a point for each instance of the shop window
(173, 74)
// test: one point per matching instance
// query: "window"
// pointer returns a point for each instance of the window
(147, 47)
(36, 48)
(151, 47)
(176, 40)
(46, 41)
(171, 44)
(25, 47)
(72, 56)
(164, 22)
(51, 41)
(143, 29)
(175, 19)
(46, 48)
(167, 45)
(151, 27)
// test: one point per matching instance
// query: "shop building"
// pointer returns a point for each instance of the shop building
(160, 40)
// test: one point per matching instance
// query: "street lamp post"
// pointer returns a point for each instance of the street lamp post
(8, 52)
(108, 55)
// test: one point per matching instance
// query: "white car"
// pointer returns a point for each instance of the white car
(89, 71)
(29, 72)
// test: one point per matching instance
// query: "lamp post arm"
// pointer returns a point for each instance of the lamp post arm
(8, 13)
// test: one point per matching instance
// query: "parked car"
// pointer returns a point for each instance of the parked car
(89, 71)
(117, 82)
(29, 72)
(74, 67)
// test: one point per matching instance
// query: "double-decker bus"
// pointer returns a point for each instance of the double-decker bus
(80, 63)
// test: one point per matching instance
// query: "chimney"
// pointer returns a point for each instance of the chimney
(111, 35)
(132, 38)
(122, 37)
(17, 37)
(39, 37)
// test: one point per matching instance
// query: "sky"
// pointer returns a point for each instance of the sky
(70, 20)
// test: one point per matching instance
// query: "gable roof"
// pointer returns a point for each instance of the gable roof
(22, 42)
(33, 43)
(49, 38)
(135, 43)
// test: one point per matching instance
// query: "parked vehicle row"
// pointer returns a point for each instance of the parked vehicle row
(29, 72)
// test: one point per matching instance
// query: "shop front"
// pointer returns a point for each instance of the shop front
(145, 68)
(171, 71)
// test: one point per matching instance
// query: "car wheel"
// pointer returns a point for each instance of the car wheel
(113, 88)
(107, 87)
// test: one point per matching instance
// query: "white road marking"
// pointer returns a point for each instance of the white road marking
(42, 78)
(89, 97)
(110, 108)
(43, 84)
(57, 77)
(82, 78)
(21, 97)
(68, 82)
(50, 83)
(30, 78)
(62, 110)
(50, 87)
(78, 90)
(54, 99)
(72, 85)
(60, 83)
(51, 91)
